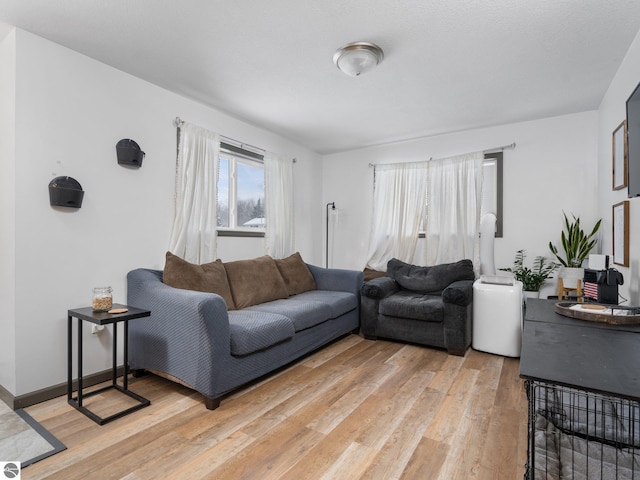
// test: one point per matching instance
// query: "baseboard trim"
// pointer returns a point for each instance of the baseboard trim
(39, 396)
(6, 397)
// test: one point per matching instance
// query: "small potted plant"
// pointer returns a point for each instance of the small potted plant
(576, 245)
(531, 278)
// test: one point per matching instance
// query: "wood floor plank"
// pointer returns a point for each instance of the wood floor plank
(356, 409)
(447, 373)
(347, 347)
(349, 396)
(261, 461)
(451, 411)
(427, 460)
(511, 390)
(389, 412)
(199, 463)
(399, 448)
(376, 353)
(501, 438)
(250, 405)
(354, 460)
(469, 440)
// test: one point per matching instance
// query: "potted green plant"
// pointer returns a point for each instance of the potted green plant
(576, 245)
(531, 278)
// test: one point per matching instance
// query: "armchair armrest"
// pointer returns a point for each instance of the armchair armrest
(379, 288)
(459, 293)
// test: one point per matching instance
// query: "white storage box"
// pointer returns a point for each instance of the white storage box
(497, 315)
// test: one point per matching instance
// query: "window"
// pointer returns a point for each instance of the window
(491, 191)
(492, 188)
(240, 204)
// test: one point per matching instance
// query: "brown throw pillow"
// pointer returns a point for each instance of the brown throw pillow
(255, 281)
(296, 274)
(208, 277)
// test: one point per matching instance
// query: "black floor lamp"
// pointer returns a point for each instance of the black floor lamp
(326, 260)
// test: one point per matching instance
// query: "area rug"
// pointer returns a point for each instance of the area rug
(24, 440)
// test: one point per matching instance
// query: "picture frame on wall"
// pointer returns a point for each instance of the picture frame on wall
(619, 153)
(621, 233)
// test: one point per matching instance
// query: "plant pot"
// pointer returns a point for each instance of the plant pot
(527, 294)
(570, 276)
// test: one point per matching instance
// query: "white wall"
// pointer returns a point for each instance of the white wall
(70, 113)
(552, 168)
(7, 210)
(611, 113)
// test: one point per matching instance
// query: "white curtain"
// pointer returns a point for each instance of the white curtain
(194, 228)
(453, 209)
(399, 195)
(279, 224)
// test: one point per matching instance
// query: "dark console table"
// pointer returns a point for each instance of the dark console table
(102, 318)
(583, 389)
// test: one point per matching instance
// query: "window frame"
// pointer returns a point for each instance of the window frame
(498, 157)
(235, 155)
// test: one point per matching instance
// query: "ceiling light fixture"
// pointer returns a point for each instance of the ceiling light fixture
(358, 58)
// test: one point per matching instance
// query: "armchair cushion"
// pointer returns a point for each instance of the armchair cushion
(432, 280)
(406, 304)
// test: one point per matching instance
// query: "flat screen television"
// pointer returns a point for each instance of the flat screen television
(633, 143)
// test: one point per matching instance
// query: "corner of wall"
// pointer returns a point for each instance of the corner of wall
(7, 209)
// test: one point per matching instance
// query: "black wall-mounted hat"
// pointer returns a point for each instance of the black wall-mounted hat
(65, 192)
(129, 153)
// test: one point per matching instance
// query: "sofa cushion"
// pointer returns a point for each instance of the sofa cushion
(405, 304)
(253, 331)
(296, 275)
(208, 277)
(303, 313)
(338, 302)
(432, 280)
(255, 281)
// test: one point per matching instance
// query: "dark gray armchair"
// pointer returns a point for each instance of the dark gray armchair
(430, 306)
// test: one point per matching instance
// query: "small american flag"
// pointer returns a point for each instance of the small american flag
(591, 290)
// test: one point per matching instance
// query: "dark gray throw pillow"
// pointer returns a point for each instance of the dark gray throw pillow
(432, 280)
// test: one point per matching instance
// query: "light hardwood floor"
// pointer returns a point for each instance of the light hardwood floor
(355, 409)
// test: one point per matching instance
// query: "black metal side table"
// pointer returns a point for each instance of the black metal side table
(102, 318)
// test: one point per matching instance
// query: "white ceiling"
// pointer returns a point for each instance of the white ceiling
(449, 65)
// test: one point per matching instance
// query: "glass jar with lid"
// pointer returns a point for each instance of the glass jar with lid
(102, 299)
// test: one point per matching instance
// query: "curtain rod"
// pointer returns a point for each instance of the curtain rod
(488, 150)
(178, 122)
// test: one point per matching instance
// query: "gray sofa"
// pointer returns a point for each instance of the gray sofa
(192, 337)
(430, 306)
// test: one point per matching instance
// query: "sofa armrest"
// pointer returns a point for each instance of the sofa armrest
(459, 293)
(337, 279)
(379, 288)
(187, 334)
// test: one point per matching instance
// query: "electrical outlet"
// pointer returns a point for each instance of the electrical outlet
(95, 329)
